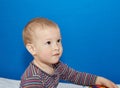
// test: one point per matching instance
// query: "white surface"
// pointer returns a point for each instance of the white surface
(9, 83)
(68, 85)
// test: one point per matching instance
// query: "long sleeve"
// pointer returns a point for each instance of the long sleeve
(31, 82)
(80, 78)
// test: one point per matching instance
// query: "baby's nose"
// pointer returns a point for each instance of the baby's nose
(55, 47)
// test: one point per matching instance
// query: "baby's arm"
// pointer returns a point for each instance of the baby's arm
(80, 78)
(85, 79)
(105, 82)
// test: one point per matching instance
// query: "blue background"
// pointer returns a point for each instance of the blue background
(90, 30)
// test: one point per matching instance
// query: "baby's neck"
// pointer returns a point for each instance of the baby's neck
(44, 67)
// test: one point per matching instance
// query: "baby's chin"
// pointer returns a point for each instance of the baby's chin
(56, 61)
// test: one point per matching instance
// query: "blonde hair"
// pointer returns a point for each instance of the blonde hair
(42, 23)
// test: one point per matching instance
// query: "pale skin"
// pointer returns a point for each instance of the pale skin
(105, 82)
(47, 49)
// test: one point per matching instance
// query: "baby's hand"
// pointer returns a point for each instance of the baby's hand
(97, 86)
(105, 82)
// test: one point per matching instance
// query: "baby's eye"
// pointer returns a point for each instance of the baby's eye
(59, 40)
(48, 42)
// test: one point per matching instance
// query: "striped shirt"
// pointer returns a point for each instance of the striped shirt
(34, 77)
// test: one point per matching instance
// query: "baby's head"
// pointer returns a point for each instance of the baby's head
(34, 25)
(43, 40)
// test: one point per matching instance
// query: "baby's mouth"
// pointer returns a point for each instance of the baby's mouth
(57, 54)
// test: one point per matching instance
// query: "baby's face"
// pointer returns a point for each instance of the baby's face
(48, 45)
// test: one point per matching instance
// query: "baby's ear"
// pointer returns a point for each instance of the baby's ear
(31, 48)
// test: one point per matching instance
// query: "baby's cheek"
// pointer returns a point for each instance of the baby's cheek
(61, 50)
(47, 54)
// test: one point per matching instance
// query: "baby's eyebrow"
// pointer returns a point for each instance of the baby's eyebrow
(59, 38)
(48, 39)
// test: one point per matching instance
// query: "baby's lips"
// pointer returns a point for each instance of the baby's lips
(56, 54)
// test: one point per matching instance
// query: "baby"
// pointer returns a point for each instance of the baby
(42, 39)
